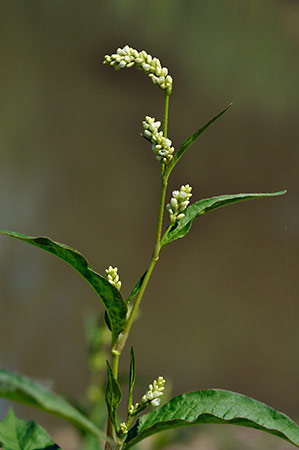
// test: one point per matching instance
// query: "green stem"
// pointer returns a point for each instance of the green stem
(165, 121)
(124, 336)
(118, 347)
(115, 362)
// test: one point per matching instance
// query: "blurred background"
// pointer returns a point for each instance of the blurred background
(222, 306)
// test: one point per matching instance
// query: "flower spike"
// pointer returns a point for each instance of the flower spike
(161, 146)
(154, 393)
(129, 57)
(178, 203)
(113, 277)
(152, 397)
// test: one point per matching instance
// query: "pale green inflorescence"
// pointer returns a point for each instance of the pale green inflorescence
(113, 277)
(123, 428)
(129, 57)
(161, 145)
(178, 203)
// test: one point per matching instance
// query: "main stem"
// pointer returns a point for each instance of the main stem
(109, 433)
(119, 346)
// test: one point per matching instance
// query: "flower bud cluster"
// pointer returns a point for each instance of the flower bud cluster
(128, 57)
(154, 393)
(152, 397)
(178, 203)
(123, 428)
(113, 277)
(161, 146)
(134, 409)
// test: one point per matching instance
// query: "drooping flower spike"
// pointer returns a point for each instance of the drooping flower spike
(129, 57)
(178, 203)
(161, 146)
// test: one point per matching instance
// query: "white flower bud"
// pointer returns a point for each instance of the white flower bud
(150, 395)
(146, 67)
(174, 204)
(156, 402)
(184, 205)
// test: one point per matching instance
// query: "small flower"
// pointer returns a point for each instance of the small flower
(129, 57)
(178, 203)
(113, 277)
(161, 146)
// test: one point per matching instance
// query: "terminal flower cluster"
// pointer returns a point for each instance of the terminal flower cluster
(129, 57)
(161, 145)
(113, 277)
(178, 203)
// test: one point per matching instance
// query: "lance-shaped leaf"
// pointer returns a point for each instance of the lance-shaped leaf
(16, 434)
(21, 389)
(132, 378)
(113, 396)
(186, 144)
(216, 407)
(204, 206)
(115, 305)
(136, 288)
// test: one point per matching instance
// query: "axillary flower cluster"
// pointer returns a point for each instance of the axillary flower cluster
(113, 277)
(151, 397)
(178, 203)
(161, 146)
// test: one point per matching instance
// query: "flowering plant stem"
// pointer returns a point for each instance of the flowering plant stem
(119, 346)
(191, 408)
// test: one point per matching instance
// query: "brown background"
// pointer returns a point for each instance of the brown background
(222, 308)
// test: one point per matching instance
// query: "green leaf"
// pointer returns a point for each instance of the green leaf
(213, 406)
(132, 378)
(191, 139)
(16, 434)
(115, 305)
(136, 288)
(204, 206)
(21, 389)
(113, 396)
